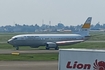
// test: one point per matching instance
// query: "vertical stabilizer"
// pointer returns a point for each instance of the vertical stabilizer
(86, 27)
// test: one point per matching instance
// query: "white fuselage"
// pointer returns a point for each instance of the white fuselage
(37, 40)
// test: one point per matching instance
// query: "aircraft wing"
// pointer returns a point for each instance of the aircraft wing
(72, 41)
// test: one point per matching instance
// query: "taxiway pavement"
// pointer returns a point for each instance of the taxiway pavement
(28, 65)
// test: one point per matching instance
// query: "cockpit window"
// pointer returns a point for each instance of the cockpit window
(14, 38)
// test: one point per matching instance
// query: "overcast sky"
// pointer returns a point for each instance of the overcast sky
(69, 12)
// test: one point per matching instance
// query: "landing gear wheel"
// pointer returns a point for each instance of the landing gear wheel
(47, 48)
(17, 48)
(56, 48)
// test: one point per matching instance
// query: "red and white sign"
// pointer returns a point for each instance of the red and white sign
(82, 59)
(97, 65)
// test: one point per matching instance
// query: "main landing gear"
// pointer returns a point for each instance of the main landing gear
(55, 47)
(17, 47)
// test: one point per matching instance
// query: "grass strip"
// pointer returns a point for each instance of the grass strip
(29, 57)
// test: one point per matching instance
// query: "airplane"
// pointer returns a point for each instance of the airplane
(51, 40)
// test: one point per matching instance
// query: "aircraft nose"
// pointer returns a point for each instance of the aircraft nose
(9, 41)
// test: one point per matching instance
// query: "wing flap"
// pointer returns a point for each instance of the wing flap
(72, 41)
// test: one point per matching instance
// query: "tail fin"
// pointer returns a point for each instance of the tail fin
(86, 27)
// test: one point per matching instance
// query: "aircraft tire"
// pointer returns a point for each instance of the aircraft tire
(56, 48)
(47, 48)
(17, 48)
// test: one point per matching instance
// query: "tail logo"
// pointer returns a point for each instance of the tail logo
(87, 25)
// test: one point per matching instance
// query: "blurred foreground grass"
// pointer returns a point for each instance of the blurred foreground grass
(29, 57)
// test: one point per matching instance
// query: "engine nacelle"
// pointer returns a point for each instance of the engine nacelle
(51, 45)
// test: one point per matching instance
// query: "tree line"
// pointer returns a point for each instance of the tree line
(44, 27)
